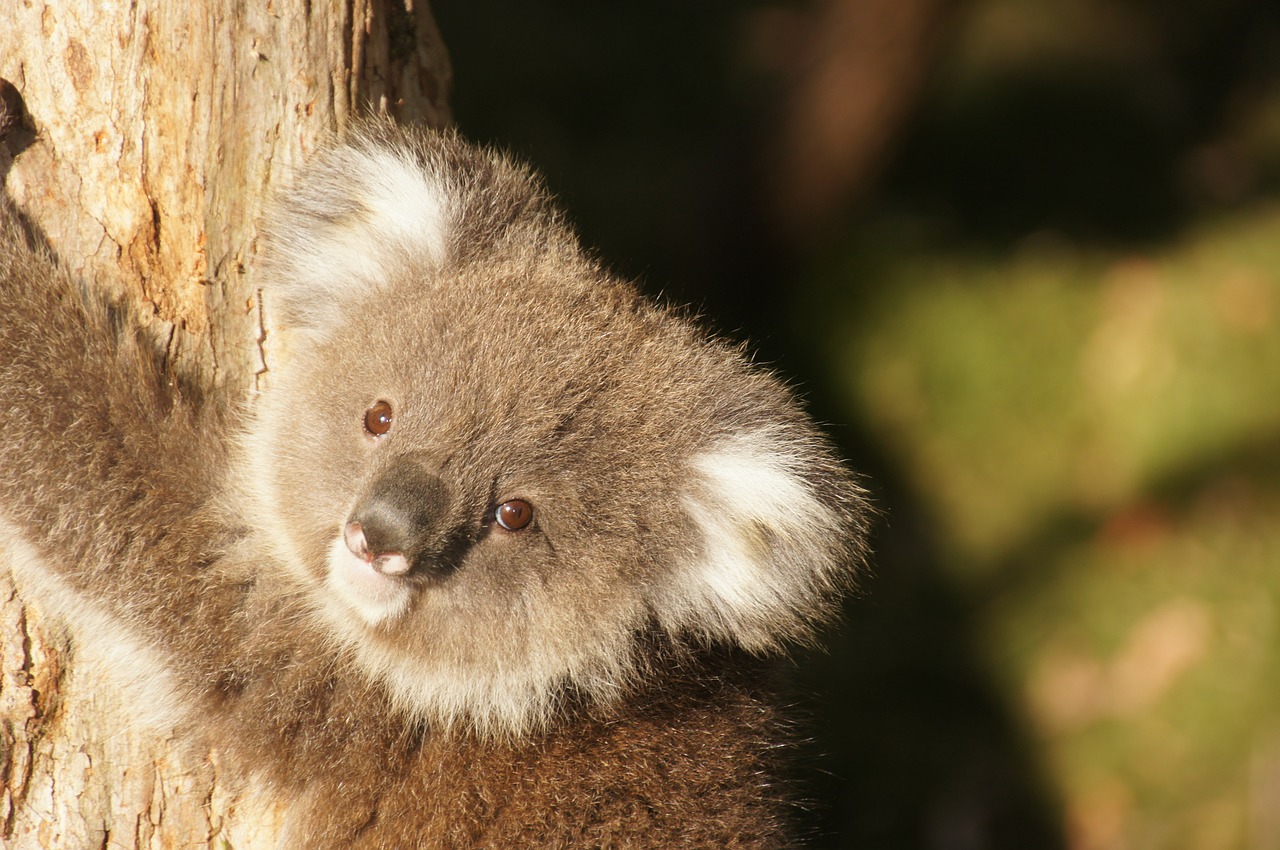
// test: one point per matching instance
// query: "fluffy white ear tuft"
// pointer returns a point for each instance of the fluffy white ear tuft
(360, 215)
(779, 530)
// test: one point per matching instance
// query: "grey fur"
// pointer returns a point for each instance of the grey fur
(585, 681)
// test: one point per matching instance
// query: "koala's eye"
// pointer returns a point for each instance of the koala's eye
(514, 515)
(377, 419)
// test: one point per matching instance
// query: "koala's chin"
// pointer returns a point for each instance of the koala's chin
(373, 592)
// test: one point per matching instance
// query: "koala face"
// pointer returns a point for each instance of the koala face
(494, 468)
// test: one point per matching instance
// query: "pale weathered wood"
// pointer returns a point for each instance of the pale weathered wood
(159, 127)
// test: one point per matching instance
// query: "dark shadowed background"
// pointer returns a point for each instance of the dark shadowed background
(1024, 258)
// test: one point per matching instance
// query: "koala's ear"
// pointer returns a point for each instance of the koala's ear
(359, 215)
(780, 532)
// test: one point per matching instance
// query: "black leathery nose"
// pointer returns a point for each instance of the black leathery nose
(405, 511)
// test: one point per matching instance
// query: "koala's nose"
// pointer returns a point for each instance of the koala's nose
(403, 522)
(389, 562)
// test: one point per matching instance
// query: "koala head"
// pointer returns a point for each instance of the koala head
(495, 468)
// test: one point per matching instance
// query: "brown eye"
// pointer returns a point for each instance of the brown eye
(515, 514)
(377, 419)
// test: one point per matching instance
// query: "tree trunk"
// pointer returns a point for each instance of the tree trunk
(152, 133)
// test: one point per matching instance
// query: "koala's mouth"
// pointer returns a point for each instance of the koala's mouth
(375, 587)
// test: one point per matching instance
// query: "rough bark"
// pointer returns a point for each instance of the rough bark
(153, 132)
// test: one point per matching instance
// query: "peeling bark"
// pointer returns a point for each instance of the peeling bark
(155, 131)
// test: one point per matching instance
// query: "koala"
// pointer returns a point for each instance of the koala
(499, 556)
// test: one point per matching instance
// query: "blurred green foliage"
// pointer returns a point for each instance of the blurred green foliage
(1069, 349)
(1049, 381)
(1094, 436)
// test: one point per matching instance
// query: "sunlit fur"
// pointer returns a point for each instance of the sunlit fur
(106, 645)
(594, 670)
(378, 231)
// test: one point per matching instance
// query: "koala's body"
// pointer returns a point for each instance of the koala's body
(490, 561)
